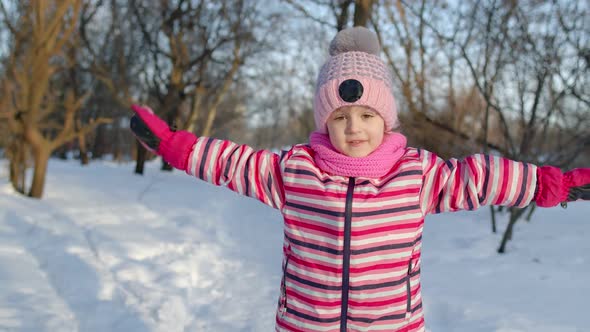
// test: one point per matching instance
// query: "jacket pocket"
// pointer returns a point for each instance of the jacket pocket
(409, 290)
(283, 301)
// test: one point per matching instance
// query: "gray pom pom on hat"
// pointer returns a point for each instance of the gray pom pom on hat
(358, 39)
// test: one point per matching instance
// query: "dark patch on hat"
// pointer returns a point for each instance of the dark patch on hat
(350, 90)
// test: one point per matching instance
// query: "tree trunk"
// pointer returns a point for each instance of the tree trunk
(18, 165)
(14, 174)
(342, 17)
(63, 153)
(41, 156)
(99, 142)
(362, 12)
(83, 149)
(493, 211)
(17, 176)
(141, 155)
(515, 214)
(531, 211)
(117, 145)
(117, 154)
(84, 157)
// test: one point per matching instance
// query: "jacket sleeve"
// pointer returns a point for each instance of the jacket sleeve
(477, 180)
(256, 174)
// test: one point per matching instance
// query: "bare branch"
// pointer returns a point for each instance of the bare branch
(91, 126)
(12, 29)
(298, 7)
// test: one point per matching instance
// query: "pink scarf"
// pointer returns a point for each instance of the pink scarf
(375, 165)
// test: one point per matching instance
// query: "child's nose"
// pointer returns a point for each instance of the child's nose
(352, 125)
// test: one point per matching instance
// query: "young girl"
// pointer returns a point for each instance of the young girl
(354, 199)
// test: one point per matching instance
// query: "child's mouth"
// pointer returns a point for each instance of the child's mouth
(356, 143)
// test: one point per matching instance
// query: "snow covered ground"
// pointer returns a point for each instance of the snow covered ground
(106, 250)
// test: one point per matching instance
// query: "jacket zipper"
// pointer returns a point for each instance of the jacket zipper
(284, 281)
(346, 255)
(409, 290)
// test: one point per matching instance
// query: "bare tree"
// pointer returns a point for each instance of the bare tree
(528, 80)
(196, 49)
(112, 47)
(40, 35)
(528, 68)
(115, 56)
(339, 10)
(16, 148)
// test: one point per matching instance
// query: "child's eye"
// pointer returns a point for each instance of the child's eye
(368, 115)
(339, 117)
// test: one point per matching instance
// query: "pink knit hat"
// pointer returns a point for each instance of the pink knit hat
(354, 75)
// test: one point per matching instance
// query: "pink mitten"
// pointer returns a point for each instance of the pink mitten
(554, 187)
(153, 133)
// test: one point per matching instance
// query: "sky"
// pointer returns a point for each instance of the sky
(107, 250)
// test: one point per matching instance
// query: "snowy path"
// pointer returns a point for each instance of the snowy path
(100, 258)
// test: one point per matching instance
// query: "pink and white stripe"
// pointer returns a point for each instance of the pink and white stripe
(387, 219)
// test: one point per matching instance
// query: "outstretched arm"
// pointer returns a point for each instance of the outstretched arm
(478, 180)
(239, 167)
(452, 185)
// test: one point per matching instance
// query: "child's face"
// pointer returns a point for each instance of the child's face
(355, 131)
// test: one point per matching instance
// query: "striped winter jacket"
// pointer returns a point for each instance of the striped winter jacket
(352, 245)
